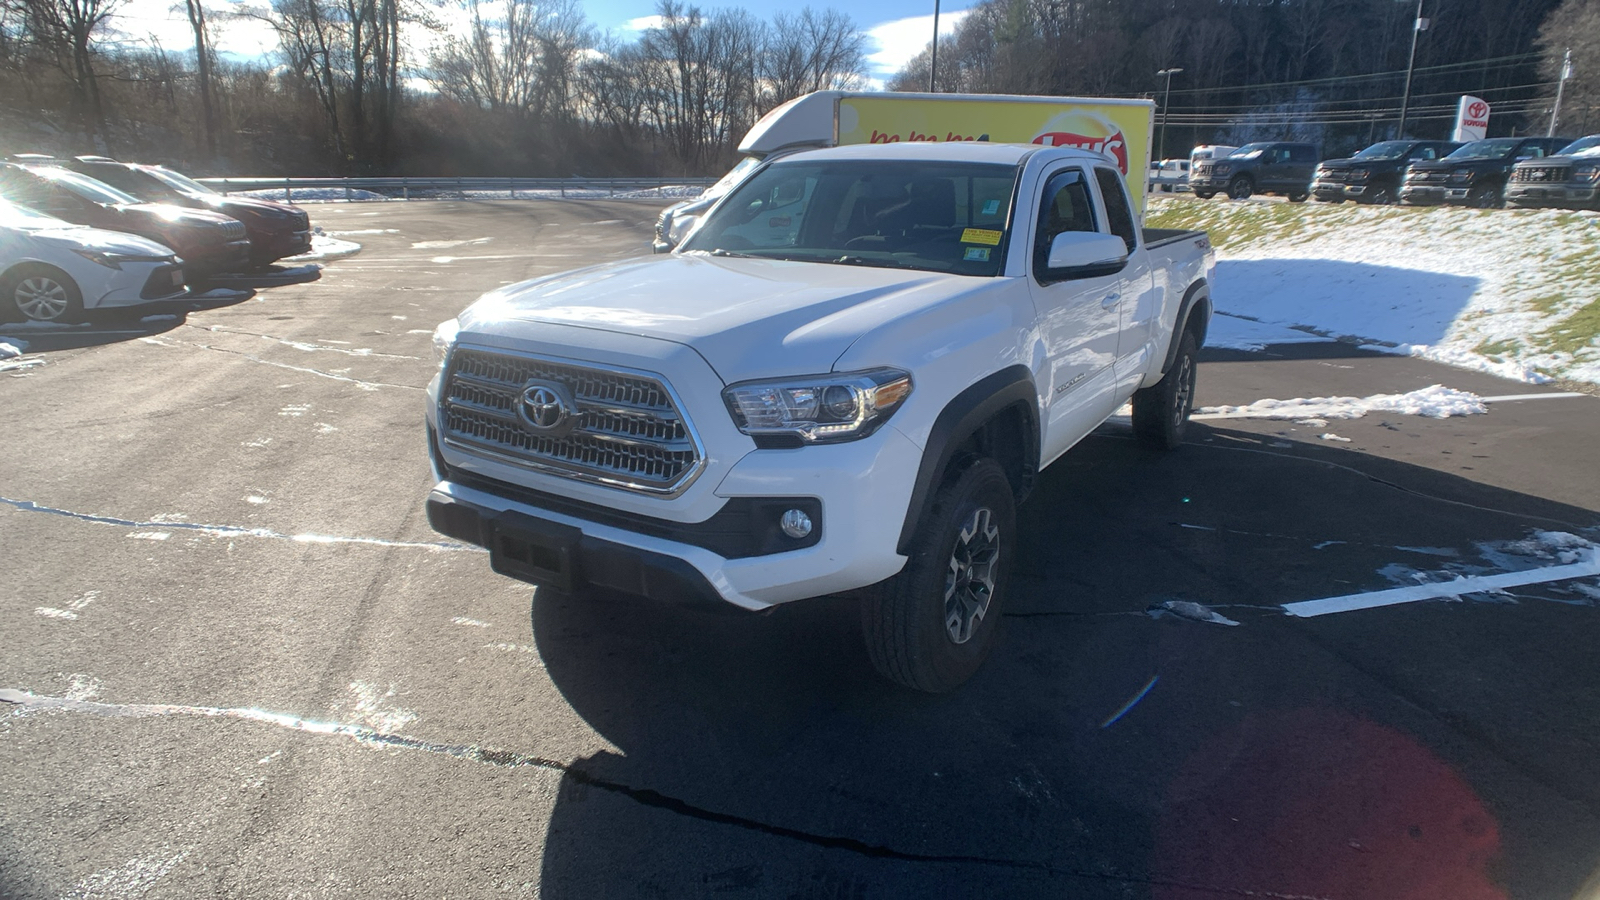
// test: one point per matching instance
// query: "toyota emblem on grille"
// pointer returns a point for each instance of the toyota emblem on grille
(544, 407)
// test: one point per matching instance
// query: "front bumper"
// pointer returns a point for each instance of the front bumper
(210, 259)
(1423, 194)
(268, 246)
(136, 284)
(1565, 195)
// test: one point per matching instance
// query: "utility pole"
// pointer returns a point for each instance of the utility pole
(1166, 100)
(1566, 72)
(1405, 103)
(933, 64)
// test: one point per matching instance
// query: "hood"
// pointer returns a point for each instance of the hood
(240, 207)
(749, 318)
(1591, 155)
(166, 215)
(101, 239)
(1345, 163)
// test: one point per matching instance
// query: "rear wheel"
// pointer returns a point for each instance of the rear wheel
(931, 626)
(41, 293)
(1161, 411)
(1240, 188)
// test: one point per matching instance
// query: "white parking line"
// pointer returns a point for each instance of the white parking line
(1472, 585)
(1505, 398)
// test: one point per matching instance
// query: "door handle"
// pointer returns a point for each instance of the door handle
(1110, 300)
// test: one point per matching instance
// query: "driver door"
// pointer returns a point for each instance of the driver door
(1079, 318)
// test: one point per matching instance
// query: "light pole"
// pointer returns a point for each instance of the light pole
(1417, 27)
(1566, 72)
(1166, 99)
(933, 63)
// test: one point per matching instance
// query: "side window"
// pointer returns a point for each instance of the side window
(1065, 206)
(1302, 155)
(1530, 151)
(1423, 153)
(1118, 213)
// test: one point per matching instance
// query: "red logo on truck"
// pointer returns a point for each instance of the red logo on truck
(1114, 146)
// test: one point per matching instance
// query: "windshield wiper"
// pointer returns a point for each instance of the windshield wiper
(721, 252)
(849, 260)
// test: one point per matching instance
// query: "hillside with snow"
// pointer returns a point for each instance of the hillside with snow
(1512, 292)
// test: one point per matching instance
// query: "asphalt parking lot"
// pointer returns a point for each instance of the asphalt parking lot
(238, 663)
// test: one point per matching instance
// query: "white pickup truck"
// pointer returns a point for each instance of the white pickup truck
(844, 381)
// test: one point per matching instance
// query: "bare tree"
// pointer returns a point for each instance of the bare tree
(810, 52)
(65, 31)
(203, 62)
(1575, 26)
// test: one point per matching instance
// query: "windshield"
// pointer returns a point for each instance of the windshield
(735, 175)
(14, 216)
(84, 186)
(1249, 151)
(1584, 145)
(1490, 149)
(934, 216)
(1385, 150)
(182, 183)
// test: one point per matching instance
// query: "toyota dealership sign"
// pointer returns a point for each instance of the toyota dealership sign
(1472, 120)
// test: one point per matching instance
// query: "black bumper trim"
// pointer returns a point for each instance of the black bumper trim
(590, 562)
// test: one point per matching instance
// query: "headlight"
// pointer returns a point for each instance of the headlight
(1360, 174)
(823, 409)
(444, 340)
(1461, 175)
(1591, 173)
(113, 260)
(1222, 169)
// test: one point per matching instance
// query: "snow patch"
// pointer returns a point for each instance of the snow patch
(11, 347)
(325, 247)
(1188, 609)
(1435, 401)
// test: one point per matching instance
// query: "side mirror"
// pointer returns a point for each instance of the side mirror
(1086, 254)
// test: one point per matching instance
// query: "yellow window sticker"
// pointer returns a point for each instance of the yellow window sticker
(981, 236)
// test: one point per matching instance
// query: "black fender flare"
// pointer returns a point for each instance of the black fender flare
(1198, 297)
(961, 418)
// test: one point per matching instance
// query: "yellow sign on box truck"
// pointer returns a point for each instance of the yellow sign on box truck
(1120, 129)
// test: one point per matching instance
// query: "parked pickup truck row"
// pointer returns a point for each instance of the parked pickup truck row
(844, 381)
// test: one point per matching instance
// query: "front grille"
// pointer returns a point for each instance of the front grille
(1202, 170)
(628, 430)
(302, 222)
(1541, 174)
(164, 281)
(1417, 177)
(233, 230)
(1334, 176)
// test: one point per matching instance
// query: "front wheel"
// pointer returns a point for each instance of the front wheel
(1161, 411)
(931, 626)
(1486, 197)
(1205, 195)
(41, 293)
(1382, 195)
(1240, 188)
(1298, 196)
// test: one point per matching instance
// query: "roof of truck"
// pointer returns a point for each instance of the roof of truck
(957, 151)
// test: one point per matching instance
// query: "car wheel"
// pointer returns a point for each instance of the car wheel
(1161, 411)
(1330, 199)
(1486, 197)
(1298, 196)
(1381, 196)
(1205, 195)
(1240, 188)
(930, 627)
(41, 293)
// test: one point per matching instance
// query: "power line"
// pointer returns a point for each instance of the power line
(1348, 78)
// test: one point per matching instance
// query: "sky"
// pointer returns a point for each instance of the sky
(896, 30)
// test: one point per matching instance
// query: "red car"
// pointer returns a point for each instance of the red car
(276, 229)
(209, 243)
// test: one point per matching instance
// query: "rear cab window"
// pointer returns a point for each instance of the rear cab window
(1119, 214)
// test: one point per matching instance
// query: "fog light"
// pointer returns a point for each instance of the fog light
(795, 524)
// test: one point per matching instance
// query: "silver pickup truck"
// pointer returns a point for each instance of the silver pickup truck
(844, 381)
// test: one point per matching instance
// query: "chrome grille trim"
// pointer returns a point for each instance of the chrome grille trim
(630, 431)
(1541, 174)
(233, 230)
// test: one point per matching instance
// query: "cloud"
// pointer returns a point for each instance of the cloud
(901, 39)
(148, 22)
(643, 23)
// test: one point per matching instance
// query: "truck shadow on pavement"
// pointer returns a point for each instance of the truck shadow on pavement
(1404, 306)
(1110, 748)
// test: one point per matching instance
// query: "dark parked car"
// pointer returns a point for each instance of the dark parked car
(1270, 167)
(1476, 173)
(209, 243)
(1374, 174)
(276, 229)
(1569, 179)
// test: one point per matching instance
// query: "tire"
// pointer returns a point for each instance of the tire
(1240, 188)
(1298, 196)
(40, 293)
(1382, 196)
(1161, 411)
(930, 627)
(1486, 197)
(1330, 200)
(1205, 195)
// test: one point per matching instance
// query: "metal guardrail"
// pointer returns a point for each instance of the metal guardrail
(409, 188)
